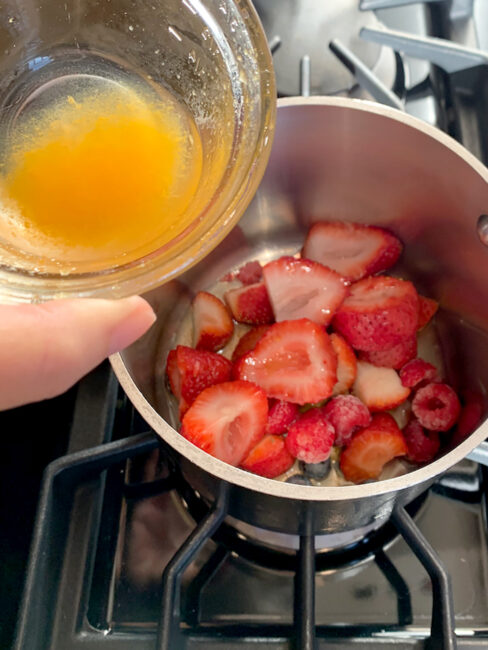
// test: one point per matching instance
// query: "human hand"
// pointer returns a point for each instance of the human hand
(46, 348)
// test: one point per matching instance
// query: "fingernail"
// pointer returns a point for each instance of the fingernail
(136, 318)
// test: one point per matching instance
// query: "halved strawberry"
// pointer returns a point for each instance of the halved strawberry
(248, 341)
(436, 407)
(346, 364)
(417, 371)
(227, 420)
(294, 361)
(352, 249)
(427, 309)
(280, 415)
(378, 313)
(303, 289)
(250, 304)
(250, 273)
(379, 388)
(191, 371)
(310, 437)
(212, 323)
(371, 448)
(269, 457)
(394, 357)
(346, 413)
(422, 445)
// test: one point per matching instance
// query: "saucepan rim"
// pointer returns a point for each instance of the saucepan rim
(271, 487)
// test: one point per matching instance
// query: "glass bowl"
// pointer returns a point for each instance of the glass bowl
(211, 56)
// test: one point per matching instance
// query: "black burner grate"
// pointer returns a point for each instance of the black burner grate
(71, 508)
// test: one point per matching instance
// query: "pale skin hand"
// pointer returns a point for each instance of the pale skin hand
(45, 349)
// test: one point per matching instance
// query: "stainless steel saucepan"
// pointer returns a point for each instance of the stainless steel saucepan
(345, 160)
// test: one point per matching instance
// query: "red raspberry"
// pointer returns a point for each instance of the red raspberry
(417, 371)
(310, 438)
(250, 273)
(346, 413)
(436, 407)
(280, 415)
(422, 445)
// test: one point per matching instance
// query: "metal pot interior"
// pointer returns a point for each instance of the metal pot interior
(337, 159)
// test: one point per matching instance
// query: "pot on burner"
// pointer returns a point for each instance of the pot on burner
(339, 159)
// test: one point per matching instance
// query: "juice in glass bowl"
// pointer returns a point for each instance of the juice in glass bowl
(132, 138)
(99, 171)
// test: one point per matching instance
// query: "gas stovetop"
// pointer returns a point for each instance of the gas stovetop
(115, 515)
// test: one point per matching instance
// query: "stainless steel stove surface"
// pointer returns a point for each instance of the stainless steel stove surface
(115, 515)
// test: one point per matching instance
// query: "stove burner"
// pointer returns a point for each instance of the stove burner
(305, 28)
(277, 551)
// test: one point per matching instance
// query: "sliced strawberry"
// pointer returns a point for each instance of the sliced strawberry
(227, 420)
(280, 415)
(352, 249)
(378, 313)
(394, 357)
(248, 341)
(250, 273)
(416, 371)
(371, 448)
(303, 289)
(427, 309)
(191, 371)
(250, 304)
(294, 361)
(346, 364)
(436, 407)
(346, 413)
(310, 437)
(212, 323)
(269, 457)
(422, 445)
(379, 388)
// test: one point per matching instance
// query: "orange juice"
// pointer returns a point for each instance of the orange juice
(100, 176)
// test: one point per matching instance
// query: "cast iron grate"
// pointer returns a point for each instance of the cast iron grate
(47, 623)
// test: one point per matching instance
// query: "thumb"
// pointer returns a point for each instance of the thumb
(45, 349)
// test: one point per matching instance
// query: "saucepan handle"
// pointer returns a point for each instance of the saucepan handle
(479, 454)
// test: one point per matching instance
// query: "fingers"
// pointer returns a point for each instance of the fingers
(45, 349)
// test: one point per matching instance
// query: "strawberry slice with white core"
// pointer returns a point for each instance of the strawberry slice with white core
(250, 304)
(227, 420)
(379, 388)
(294, 361)
(346, 364)
(303, 289)
(371, 448)
(352, 249)
(191, 371)
(212, 323)
(378, 313)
